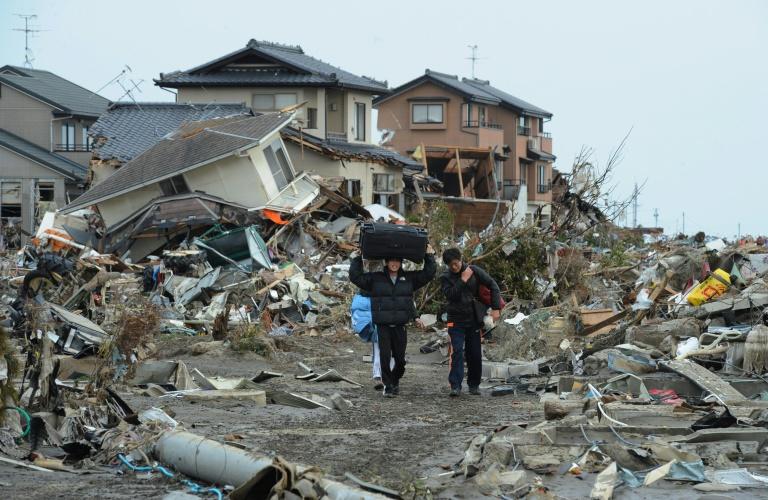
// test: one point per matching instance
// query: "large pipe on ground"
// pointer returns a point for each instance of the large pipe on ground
(217, 463)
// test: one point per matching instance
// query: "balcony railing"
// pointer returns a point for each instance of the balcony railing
(336, 136)
(546, 135)
(73, 148)
(544, 188)
(480, 124)
(523, 130)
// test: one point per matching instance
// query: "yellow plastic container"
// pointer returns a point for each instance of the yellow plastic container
(715, 285)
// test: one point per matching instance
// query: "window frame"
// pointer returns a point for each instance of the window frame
(360, 128)
(311, 118)
(428, 105)
(390, 183)
(174, 185)
(523, 173)
(279, 164)
(67, 133)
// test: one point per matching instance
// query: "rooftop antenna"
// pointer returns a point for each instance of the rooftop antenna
(28, 31)
(126, 69)
(134, 86)
(473, 58)
(655, 217)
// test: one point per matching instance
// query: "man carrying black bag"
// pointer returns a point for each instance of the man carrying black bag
(391, 293)
(461, 285)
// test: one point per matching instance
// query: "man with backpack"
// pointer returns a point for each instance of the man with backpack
(391, 293)
(462, 285)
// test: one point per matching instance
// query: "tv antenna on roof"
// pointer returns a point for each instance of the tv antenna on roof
(28, 31)
(473, 58)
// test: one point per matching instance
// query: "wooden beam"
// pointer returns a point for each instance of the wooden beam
(424, 159)
(487, 174)
(461, 178)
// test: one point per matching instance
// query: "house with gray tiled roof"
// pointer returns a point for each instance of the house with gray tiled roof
(127, 129)
(269, 76)
(44, 142)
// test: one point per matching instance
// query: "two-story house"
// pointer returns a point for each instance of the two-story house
(332, 106)
(438, 109)
(44, 142)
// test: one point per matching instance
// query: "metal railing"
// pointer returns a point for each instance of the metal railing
(73, 148)
(546, 135)
(336, 136)
(523, 130)
(481, 124)
(544, 188)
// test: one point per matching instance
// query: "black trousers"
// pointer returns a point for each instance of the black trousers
(392, 343)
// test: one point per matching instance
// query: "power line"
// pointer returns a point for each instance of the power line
(29, 31)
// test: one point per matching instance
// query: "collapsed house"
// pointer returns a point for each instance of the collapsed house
(239, 159)
(127, 129)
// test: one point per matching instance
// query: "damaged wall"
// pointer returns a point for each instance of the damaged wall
(313, 162)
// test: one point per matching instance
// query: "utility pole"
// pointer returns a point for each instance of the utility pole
(473, 57)
(738, 225)
(683, 223)
(634, 206)
(655, 217)
(27, 32)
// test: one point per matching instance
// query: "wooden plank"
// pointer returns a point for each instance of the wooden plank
(256, 396)
(461, 179)
(604, 323)
(424, 160)
(705, 379)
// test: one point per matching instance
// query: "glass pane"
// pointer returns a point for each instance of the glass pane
(360, 121)
(420, 113)
(275, 168)
(285, 165)
(284, 100)
(263, 102)
(436, 113)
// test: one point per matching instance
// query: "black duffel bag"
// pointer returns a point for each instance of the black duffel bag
(379, 241)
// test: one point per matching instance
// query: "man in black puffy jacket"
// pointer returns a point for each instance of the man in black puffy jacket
(461, 286)
(391, 293)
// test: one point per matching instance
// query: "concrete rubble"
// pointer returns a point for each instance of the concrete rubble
(642, 361)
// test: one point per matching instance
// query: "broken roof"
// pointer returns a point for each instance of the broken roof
(57, 163)
(352, 151)
(130, 128)
(194, 145)
(268, 64)
(54, 90)
(472, 89)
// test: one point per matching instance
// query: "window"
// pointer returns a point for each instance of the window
(278, 163)
(10, 200)
(311, 117)
(542, 178)
(383, 183)
(523, 173)
(541, 173)
(67, 137)
(468, 115)
(45, 191)
(86, 139)
(353, 188)
(481, 115)
(427, 113)
(541, 125)
(272, 102)
(359, 121)
(523, 121)
(284, 100)
(174, 185)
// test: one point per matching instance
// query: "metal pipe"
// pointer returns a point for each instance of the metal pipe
(214, 462)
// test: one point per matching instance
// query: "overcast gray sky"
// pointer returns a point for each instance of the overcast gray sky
(690, 78)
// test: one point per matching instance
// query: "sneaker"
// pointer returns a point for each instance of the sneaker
(378, 384)
(396, 390)
(474, 390)
(388, 393)
(455, 393)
